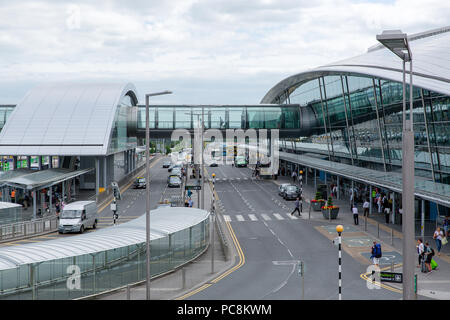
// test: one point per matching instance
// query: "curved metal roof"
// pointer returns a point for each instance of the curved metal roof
(430, 56)
(164, 221)
(64, 119)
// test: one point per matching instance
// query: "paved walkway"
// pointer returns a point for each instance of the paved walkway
(357, 241)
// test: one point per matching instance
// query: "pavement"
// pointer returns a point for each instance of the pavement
(358, 239)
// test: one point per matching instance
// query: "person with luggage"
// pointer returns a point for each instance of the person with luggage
(376, 253)
(437, 236)
(429, 253)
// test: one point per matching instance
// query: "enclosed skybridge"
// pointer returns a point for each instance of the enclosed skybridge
(291, 120)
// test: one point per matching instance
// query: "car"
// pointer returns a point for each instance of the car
(291, 192)
(166, 164)
(282, 187)
(173, 166)
(213, 164)
(173, 181)
(78, 216)
(176, 172)
(240, 162)
(140, 183)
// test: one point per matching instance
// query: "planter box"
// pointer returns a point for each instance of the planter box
(317, 206)
(333, 213)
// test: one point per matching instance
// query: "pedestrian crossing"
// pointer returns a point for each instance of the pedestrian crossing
(231, 179)
(262, 216)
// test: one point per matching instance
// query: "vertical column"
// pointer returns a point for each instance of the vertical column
(28, 162)
(34, 193)
(40, 162)
(315, 180)
(371, 200)
(50, 162)
(393, 208)
(379, 125)
(422, 220)
(105, 166)
(50, 194)
(97, 176)
(338, 188)
(15, 162)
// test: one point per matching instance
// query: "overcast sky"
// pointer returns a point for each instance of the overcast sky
(206, 52)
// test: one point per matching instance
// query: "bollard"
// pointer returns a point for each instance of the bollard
(378, 230)
(365, 223)
(392, 237)
(392, 266)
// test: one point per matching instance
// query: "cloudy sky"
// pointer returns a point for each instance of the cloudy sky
(206, 52)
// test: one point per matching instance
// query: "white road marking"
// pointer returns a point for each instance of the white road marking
(253, 217)
(240, 217)
(227, 218)
(266, 217)
(292, 216)
(278, 216)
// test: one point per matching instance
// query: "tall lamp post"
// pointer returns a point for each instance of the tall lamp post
(397, 42)
(147, 188)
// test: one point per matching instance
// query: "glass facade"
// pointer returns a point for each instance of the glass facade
(359, 120)
(120, 139)
(104, 270)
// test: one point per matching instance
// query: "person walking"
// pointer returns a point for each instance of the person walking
(387, 214)
(420, 251)
(445, 224)
(297, 207)
(294, 176)
(437, 236)
(376, 253)
(190, 203)
(355, 214)
(366, 207)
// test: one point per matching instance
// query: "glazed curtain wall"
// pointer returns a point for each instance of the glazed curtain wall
(360, 122)
(104, 270)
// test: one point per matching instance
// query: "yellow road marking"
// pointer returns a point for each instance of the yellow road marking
(240, 264)
(364, 276)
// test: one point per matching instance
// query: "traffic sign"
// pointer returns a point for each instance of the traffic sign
(391, 277)
(193, 187)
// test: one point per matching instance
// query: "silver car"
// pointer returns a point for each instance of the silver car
(282, 188)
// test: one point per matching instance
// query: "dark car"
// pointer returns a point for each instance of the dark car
(213, 164)
(173, 182)
(291, 192)
(173, 166)
(167, 164)
(140, 183)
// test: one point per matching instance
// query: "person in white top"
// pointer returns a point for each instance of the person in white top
(437, 236)
(366, 207)
(355, 214)
(420, 249)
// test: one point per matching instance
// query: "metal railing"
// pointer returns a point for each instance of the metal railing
(25, 229)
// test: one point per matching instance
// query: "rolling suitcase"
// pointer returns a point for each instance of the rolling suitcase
(423, 266)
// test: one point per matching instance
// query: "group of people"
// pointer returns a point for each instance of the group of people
(425, 256)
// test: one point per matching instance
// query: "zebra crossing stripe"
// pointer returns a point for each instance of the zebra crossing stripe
(227, 218)
(292, 216)
(253, 217)
(278, 216)
(266, 217)
(240, 218)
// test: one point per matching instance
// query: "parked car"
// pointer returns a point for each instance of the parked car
(140, 183)
(281, 188)
(291, 192)
(78, 216)
(173, 166)
(173, 181)
(166, 164)
(176, 172)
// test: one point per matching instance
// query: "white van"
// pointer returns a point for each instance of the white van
(78, 216)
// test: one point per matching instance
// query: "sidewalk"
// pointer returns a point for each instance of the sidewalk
(358, 240)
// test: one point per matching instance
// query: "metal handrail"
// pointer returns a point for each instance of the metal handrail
(26, 229)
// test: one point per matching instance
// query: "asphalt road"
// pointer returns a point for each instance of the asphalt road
(273, 242)
(130, 207)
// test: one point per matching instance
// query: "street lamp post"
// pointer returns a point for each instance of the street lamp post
(147, 188)
(397, 42)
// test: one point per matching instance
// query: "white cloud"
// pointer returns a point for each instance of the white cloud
(229, 42)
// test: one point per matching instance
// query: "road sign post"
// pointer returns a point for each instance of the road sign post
(301, 272)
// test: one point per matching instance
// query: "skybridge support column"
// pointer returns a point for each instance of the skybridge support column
(105, 166)
(97, 177)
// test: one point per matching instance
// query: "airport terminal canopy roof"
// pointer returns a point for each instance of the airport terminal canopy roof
(8, 205)
(10, 174)
(43, 178)
(430, 56)
(164, 221)
(64, 119)
(424, 189)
